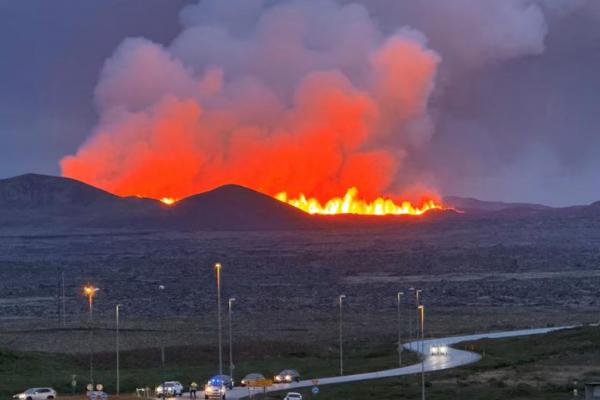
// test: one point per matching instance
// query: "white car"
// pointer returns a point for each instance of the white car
(293, 396)
(170, 388)
(45, 393)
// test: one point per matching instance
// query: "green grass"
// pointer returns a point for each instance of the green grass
(534, 368)
(141, 368)
(515, 368)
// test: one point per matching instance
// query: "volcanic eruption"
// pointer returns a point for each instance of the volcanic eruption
(308, 102)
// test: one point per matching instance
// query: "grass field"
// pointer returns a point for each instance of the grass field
(543, 367)
(536, 367)
(141, 368)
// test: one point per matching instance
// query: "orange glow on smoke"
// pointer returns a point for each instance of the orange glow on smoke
(351, 204)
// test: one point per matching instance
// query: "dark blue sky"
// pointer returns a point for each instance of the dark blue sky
(517, 127)
(52, 53)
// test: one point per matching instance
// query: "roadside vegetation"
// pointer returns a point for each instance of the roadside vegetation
(535, 367)
(142, 368)
(544, 367)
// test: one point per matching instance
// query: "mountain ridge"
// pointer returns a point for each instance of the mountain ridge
(38, 201)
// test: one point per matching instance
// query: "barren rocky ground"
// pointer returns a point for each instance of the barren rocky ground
(476, 273)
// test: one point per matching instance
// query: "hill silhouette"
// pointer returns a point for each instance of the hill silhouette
(56, 204)
(36, 201)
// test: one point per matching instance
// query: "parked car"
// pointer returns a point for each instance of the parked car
(170, 388)
(45, 393)
(293, 396)
(287, 376)
(252, 378)
(224, 380)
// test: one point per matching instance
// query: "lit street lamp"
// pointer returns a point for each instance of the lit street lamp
(90, 291)
(231, 300)
(163, 392)
(421, 310)
(398, 303)
(341, 297)
(220, 339)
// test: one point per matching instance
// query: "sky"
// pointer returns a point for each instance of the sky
(496, 100)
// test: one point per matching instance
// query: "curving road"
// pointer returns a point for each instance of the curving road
(453, 358)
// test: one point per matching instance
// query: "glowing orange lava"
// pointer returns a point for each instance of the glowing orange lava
(350, 204)
(168, 200)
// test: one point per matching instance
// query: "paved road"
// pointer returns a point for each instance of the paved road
(454, 358)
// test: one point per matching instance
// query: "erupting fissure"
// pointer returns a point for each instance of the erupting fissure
(168, 200)
(350, 204)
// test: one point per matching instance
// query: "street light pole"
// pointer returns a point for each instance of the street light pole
(163, 393)
(410, 318)
(231, 300)
(399, 302)
(220, 339)
(422, 312)
(340, 301)
(90, 292)
(117, 307)
(417, 304)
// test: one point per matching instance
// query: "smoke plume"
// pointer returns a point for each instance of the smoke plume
(308, 97)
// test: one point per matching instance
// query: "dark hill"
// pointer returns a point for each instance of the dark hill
(59, 205)
(234, 207)
(469, 204)
(37, 202)
(33, 191)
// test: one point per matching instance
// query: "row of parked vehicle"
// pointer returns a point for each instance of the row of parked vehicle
(218, 385)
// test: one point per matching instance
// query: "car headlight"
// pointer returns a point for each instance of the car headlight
(277, 378)
(159, 389)
(288, 377)
(22, 396)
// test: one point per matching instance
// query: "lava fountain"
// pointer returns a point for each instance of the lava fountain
(351, 204)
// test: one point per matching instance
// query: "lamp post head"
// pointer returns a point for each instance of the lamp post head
(231, 300)
(161, 287)
(90, 290)
(218, 266)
